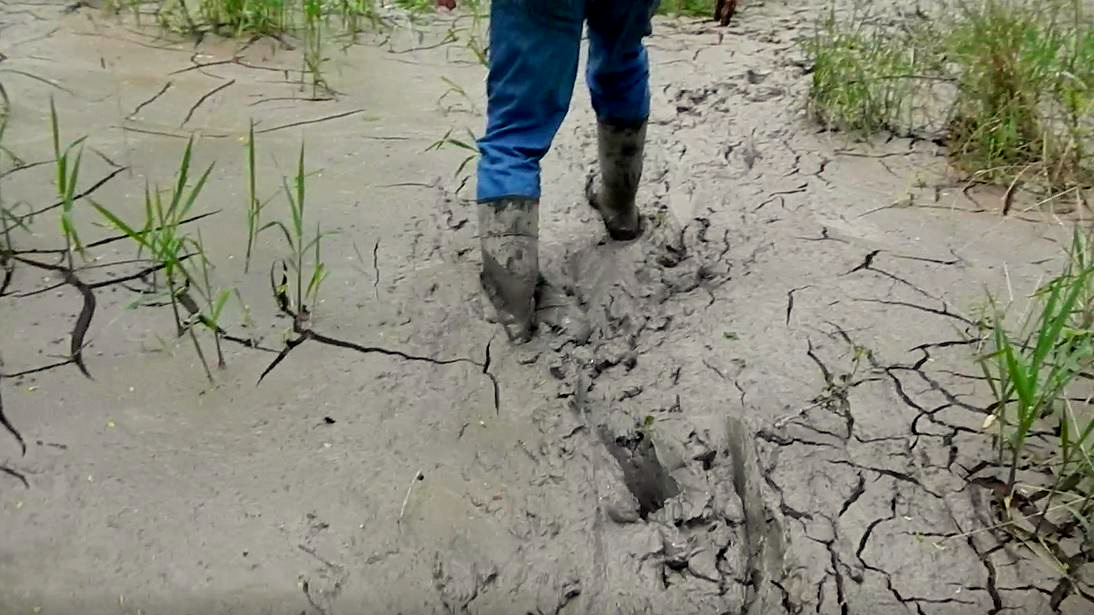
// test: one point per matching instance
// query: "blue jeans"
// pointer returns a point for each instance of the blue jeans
(533, 56)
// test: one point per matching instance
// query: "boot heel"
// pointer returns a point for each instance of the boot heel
(620, 151)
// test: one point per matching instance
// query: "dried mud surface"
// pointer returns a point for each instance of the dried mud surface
(775, 410)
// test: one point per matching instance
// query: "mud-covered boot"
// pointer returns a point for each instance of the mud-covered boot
(509, 234)
(620, 149)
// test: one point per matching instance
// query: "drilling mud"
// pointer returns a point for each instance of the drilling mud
(765, 405)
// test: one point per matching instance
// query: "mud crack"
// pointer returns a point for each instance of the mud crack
(943, 311)
(8, 426)
(325, 118)
(867, 264)
(87, 311)
(888, 576)
(152, 99)
(790, 301)
(780, 440)
(85, 193)
(856, 493)
(201, 101)
(309, 334)
(16, 474)
(899, 476)
(304, 333)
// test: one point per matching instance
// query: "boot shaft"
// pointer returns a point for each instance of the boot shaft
(509, 237)
(621, 150)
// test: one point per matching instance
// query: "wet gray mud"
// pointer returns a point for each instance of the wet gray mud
(774, 410)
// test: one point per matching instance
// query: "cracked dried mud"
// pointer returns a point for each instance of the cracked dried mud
(773, 412)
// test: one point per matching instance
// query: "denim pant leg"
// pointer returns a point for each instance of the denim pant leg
(533, 60)
(617, 71)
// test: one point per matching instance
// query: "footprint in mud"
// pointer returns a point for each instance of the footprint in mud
(324, 584)
(643, 473)
(559, 310)
(460, 579)
(570, 303)
(667, 259)
(558, 313)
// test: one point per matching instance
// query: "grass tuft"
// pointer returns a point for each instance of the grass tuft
(299, 299)
(1013, 80)
(1026, 91)
(241, 18)
(1043, 418)
(170, 247)
(862, 82)
(687, 8)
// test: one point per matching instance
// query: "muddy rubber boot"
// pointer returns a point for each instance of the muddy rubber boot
(620, 150)
(509, 234)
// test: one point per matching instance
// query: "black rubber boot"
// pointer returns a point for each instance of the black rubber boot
(509, 235)
(620, 150)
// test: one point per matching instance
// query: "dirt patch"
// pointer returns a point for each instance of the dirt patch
(774, 411)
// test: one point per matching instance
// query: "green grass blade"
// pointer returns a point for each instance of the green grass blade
(284, 230)
(194, 192)
(184, 172)
(120, 224)
(218, 305)
(57, 157)
(298, 218)
(69, 201)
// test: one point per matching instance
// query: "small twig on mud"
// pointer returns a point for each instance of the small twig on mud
(417, 477)
(782, 422)
(312, 552)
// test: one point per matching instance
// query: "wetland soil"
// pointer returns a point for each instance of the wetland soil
(775, 410)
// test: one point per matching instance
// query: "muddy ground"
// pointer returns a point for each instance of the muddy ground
(775, 411)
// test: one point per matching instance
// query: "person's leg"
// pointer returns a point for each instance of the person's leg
(533, 58)
(617, 74)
